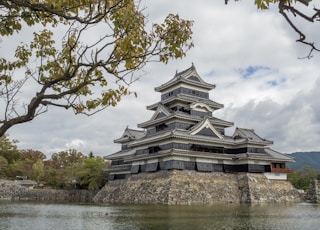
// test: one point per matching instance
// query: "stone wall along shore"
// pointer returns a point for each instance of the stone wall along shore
(172, 187)
(313, 193)
(12, 191)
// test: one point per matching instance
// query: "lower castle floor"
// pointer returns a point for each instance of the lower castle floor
(272, 171)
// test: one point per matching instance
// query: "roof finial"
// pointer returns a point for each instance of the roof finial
(192, 65)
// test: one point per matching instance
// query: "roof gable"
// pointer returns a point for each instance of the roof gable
(205, 127)
(207, 132)
(200, 106)
(162, 111)
(160, 115)
(193, 78)
(189, 76)
(129, 135)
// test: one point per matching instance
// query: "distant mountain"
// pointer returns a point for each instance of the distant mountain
(303, 159)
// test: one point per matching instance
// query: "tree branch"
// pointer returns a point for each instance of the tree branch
(76, 76)
(284, 7)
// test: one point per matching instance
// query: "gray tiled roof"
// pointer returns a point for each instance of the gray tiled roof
(186, 116)
(215, 120)
(137, 134)
(278, 156)
(183, 77)
(187, 98)
(130, 134)
(249, 135)
(120, 154)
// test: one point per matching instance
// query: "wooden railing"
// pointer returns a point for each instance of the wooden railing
(281, 170)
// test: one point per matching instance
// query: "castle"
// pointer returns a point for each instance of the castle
(183, 134)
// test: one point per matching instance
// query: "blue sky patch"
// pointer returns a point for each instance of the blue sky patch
(250, 70)
(272, 83)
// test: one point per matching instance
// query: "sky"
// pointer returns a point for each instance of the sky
(250, 55)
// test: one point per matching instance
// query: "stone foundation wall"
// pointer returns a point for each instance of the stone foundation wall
(9, 190)
(191, 187)
(313, 194)
(256, 188)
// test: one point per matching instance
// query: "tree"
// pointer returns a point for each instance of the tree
(91, 176)
(292, 10)
(301, 178)
(32, 155)
(3, 167)
(64, 159)
(23, 164)
(70, 68)
(53, 177)
(61, 169)
(19, 168)
(38, 170)
(8, 149)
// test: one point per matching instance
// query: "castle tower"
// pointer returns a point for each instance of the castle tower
(183, 134)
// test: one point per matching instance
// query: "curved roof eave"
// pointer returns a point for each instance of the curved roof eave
(187, 98)
(183, 77)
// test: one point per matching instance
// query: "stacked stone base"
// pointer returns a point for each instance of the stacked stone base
(191, 187)
(12, 191)
(256, 188)
(313, 194)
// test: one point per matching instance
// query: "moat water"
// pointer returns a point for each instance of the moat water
(87, 216)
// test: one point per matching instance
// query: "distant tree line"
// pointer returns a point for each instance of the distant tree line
(72, 169)
(66, 169)
(301, 178)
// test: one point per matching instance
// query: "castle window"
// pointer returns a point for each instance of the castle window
(154, 149)
(117, 162)
(203, 148)
(161, 127)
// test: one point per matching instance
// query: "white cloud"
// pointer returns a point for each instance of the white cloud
(76, 144)
(278, 99)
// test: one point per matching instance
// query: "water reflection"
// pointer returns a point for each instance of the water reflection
(297, 216)
(69, 216)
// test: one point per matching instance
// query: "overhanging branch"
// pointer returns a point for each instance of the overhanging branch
(286, 6)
